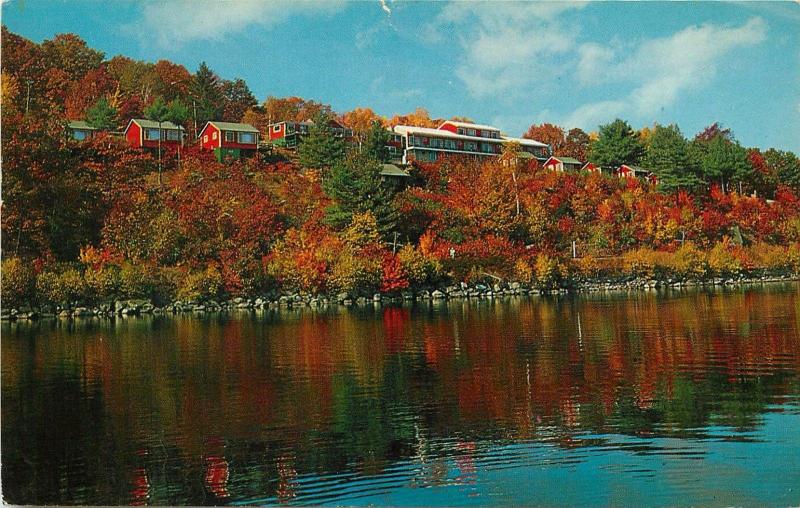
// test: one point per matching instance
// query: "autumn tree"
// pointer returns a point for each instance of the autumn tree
(320, 148)
(617, 144)
(550, 134)
(576, 145)
(238, 99)
(419, 118)
(71, 54)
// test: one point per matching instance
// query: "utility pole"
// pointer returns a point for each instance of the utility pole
(28, 96)
(194, 107)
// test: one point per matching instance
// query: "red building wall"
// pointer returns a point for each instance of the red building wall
(279, 134)
(134, 135)
(207, 140)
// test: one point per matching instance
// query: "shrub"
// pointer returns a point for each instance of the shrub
(721, 261)
(548, 270)
(18, 282)
(201, 285)
(61, 285)
(523, 272)
(103, 283)
(640, 262)
(394, 277)
(354, 274)
(688, 262)
(769, 257)
(419, 268)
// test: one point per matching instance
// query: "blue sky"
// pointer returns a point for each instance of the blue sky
(508, 64)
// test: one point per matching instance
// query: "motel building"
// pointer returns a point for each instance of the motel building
(453, 138)
(289, 134)
(228, 139)
(141, 133)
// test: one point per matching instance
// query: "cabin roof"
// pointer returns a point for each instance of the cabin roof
(152, 124)
(231, 126)
(393, 170)
(81, 125)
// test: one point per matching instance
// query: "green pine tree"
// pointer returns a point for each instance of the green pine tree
(102, 115)
(206, 89)
(376, 144)
(668, 157)
(722, 161)
(617, 144)
(356, 186)
(320, 149)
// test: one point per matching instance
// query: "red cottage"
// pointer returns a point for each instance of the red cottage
(628, 171)
(142, 133)
(563, 164)
(229, 139)
(591, 167)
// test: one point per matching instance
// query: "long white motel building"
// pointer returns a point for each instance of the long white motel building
(457, 138)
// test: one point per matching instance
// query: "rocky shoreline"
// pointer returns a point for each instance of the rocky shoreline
(134, 307)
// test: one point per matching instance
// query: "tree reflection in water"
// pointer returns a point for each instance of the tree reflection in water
(278, 406)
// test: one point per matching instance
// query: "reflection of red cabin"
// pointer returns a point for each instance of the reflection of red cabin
(142, 133)
(591, 167)
(563, 164)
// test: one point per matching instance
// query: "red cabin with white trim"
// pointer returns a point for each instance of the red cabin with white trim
(142, 133)
(563, 164)
(228, 135)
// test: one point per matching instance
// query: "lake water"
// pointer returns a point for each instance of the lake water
(689, 398)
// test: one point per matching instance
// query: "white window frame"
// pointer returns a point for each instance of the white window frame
(232, 136)
(148, 134)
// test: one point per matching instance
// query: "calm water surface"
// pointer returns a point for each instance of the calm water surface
(671, 399)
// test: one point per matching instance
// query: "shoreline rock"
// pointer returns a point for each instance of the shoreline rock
(432, 295)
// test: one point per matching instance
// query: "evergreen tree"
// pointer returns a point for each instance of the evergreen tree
(320, 148)
(375, 144)
(177, 112)
(356, 186)
(617, 144)
(722, 160)
(207, 92)
(668, 157)
(102, 115)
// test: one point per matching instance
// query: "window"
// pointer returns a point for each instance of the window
(151, 134)
(80, 135)
(436, 143)
(460, 131)
(230, 136)
(471, 146)
(276, 128)
(214, 135)
(205, 138)
(487, 148)
(470, 132)
(173, 135)
(449, 144)
(247, 138)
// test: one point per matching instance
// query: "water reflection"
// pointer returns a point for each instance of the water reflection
(641, 397)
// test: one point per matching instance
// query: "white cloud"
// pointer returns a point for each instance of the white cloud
(180, 21)
(506, 45)
(659, 70)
